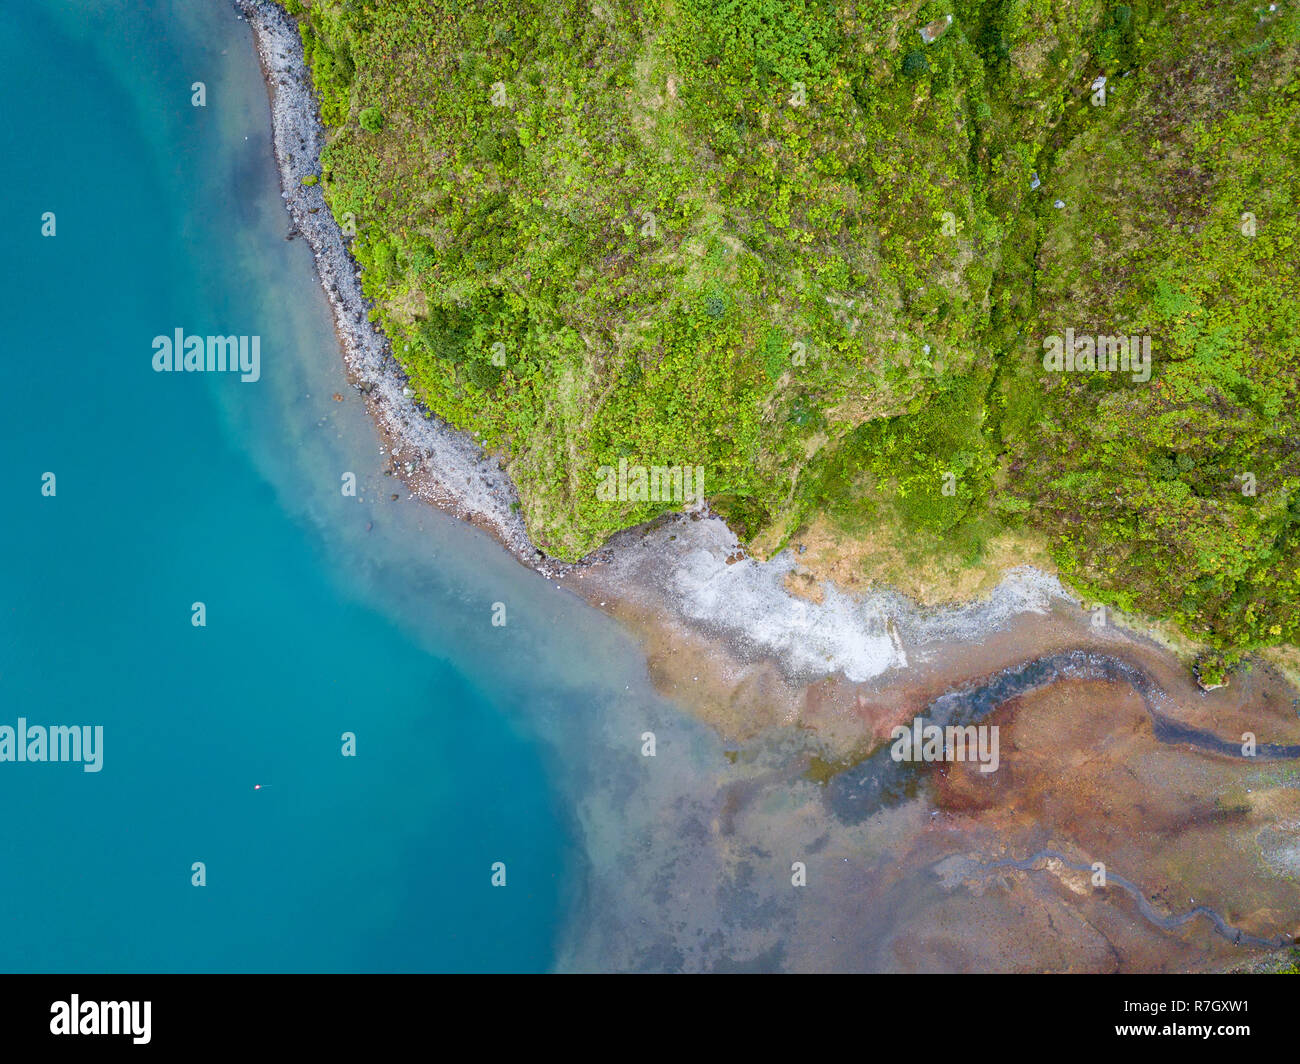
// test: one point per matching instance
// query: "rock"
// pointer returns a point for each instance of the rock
(935, 30)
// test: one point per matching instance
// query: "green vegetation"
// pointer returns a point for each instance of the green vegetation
(787, 241)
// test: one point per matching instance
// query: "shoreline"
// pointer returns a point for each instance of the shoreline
(802, 688)
(439, 463)
(684, 578)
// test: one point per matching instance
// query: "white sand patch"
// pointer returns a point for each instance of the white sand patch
(860, 635)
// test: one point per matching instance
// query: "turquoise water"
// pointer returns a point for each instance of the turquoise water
(474, 743)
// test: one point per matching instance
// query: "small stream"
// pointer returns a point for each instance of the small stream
(859, 791)
(977, 700)
(880, 781)
(1167, 923)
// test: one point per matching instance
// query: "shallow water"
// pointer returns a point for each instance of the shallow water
(325, 614)
(860, 791)
(1164, 921)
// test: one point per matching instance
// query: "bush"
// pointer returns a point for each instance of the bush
(372, 120)
(483, 375)
(915, 63)
(445, 334)
(384, 259)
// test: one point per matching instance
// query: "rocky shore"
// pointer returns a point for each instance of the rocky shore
(439, 463)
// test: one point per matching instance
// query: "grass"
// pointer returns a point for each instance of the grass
(784, 240)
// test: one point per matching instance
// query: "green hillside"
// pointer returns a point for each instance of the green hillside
(793, 243)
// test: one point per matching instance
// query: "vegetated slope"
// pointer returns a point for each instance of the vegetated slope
(798, 244)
